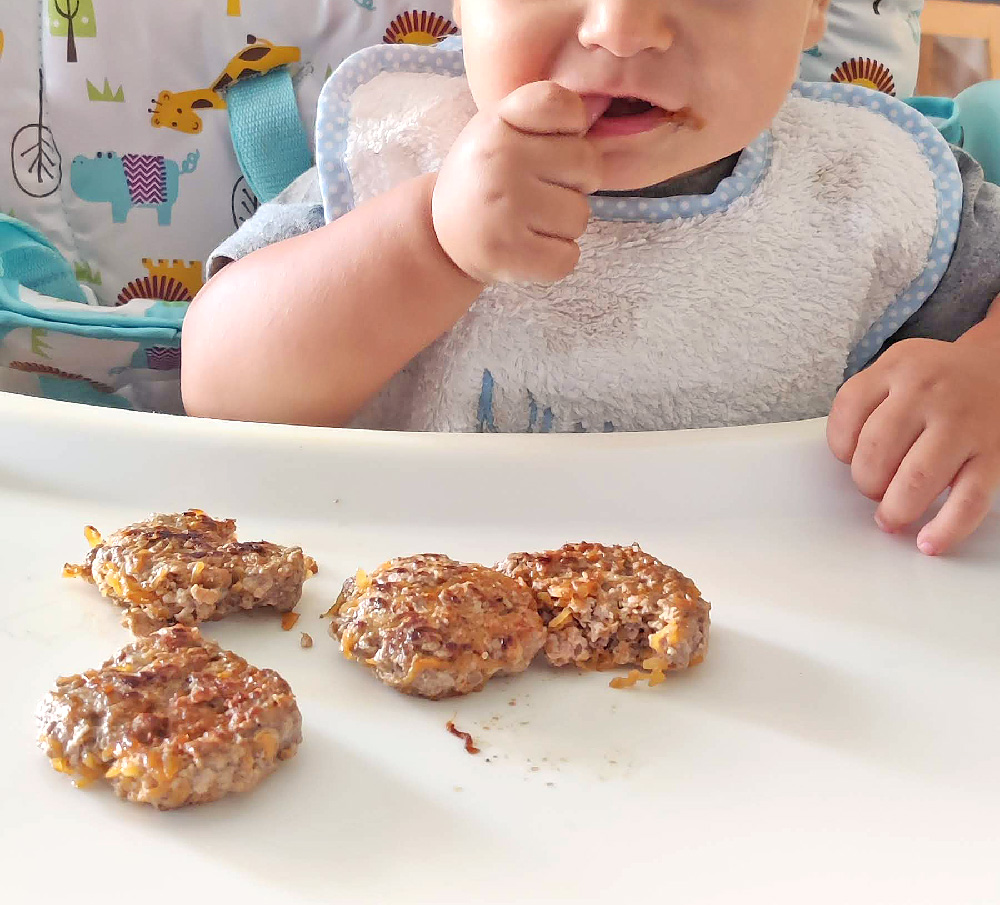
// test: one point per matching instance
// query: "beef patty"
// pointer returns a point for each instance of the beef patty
(606, 607)
(188, 568)
(172, 719)
(430, 626)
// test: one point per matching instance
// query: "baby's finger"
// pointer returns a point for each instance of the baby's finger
(855, 402)
(545, 108)
(546, 259)
(883, 443)
(565, 160)
(558, 212)
(926, 471)
(967, 505)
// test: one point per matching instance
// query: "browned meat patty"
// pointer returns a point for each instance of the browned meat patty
(172, 719)
(606, 607)
(188, 568)
(430, 626)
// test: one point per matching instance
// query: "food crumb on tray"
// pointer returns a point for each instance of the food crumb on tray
(306, 640)
(288, 621)
(465, 736)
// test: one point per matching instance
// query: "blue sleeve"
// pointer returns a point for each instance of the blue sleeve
(297, 210)
(972, 281)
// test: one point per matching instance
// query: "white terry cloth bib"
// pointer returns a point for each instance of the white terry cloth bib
(748, 305)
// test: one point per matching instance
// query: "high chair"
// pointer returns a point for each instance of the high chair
(136, 145)
(974, 116)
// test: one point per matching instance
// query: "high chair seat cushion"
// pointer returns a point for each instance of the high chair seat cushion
(119, 149)
(873, 43)
(27, 257)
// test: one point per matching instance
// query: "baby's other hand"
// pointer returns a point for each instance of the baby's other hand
(924, 417)
(511, 198)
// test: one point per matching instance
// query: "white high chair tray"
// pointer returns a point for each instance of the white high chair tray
(839, 744)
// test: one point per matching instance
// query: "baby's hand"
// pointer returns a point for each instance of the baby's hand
(924, 417)
(511, 198)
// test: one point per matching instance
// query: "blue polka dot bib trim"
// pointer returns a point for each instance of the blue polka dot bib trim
(947, 184)
(333, 111)
(752, 166)
(333, 124)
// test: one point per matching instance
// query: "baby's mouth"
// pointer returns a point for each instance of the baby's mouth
(627, 106)
(620, 116)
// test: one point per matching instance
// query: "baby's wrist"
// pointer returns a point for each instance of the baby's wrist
(984, 337)
(437, 217)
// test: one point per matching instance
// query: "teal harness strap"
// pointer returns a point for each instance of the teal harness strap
(29, 259)
(270, 141)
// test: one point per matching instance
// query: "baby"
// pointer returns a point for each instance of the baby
(621, 215)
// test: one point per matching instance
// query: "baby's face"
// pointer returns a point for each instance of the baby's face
(694, 80)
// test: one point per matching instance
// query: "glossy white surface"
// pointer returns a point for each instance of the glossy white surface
(841, 743)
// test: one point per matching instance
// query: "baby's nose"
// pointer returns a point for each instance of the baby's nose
(625, 28)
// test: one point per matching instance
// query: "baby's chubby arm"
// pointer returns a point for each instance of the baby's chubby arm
(925, 417)
(307, 330)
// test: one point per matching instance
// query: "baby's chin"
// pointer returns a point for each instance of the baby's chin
(628, 172)
(635, 179)
(632, 163)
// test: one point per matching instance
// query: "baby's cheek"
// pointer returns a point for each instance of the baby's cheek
(748, 108)
(504, 53)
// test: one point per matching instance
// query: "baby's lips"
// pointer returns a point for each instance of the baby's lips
(597, 105)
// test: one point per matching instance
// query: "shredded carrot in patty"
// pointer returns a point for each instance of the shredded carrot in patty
(627, 681)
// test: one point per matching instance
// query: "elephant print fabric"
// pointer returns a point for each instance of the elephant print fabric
(117, 127)
(131, 180)
(119, 153)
